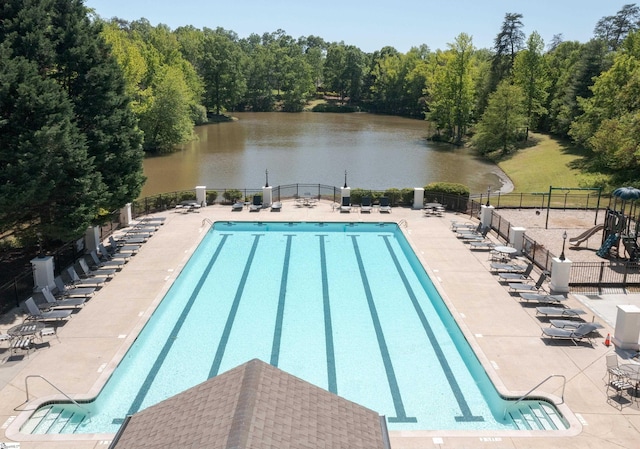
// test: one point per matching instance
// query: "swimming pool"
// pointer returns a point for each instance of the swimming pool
(345, 306)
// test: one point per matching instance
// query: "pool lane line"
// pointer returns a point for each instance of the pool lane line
(442, 359)
(224, 338)
(332, 378)
(277, 332)
(401, 415)
(151, 375)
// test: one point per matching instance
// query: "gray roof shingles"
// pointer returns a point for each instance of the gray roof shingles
(254, 405)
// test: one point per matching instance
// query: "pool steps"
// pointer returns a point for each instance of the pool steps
(530, 415)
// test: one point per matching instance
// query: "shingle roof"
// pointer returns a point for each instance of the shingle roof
(254, 405)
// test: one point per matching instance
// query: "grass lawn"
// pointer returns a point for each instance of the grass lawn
(548, 163)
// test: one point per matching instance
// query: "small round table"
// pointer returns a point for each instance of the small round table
(505, 251)
(632, 371)
(26, 329)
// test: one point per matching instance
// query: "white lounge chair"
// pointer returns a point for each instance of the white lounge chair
(559, 311)
(542, 298)
(575, 335)
(256, 205)
(366, 207)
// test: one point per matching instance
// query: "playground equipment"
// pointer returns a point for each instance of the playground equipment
(621, 224)
(576, 241)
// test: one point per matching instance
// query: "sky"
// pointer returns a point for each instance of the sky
(372, 24)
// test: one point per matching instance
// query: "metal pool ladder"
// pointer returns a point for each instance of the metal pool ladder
(524, 396)
(26, 387)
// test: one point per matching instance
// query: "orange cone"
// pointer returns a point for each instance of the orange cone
(607, 341)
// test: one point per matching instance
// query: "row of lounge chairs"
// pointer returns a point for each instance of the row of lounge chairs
(78, 282)
(564, 322)
(366, 205)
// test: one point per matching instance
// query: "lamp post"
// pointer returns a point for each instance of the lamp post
(266, 173)
(488, 196)
(564, 239)
(345, 179)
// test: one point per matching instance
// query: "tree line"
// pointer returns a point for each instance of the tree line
(579, 91)
(82, 98)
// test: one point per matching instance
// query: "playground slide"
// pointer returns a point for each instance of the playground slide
(606, 246)
(576, 241)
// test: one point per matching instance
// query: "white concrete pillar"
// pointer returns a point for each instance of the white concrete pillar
(627, 331)
(486, 213)
(125, 215)
(418, 198)
(516, 238)
(267, 196)
(92, 238)
(43, 272)
(560, 275)
(345, 192)
(201, 195)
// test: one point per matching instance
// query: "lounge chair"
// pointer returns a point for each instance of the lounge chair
(76, 280)
(53, 303)
(384, 205)
(34, 313)
(154, 220)
(115, 248)
(345, 206)
(276, 207)
(237, 206)
(481, 244)
(575, 335)
(515, 277)
(559, 311)
(466, 231)
(507, 267)
(74, 292)
(521, 286)
(86, 272)
(137, 239)
(455, 225)
(542, 298)
(468, 238)
(365, 206)
(572, 324)
(112, 259)
(256, 205)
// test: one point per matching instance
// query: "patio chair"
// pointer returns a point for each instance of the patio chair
(345, 206)
(515, 277)
(575, 335)
(522, 286)
(613, 369)
(34, 313)
(559, 311)
(86, 272)
(64, 291)
(76, 280)
(469, 238)
(237, 206)
(108, 259)
(507, 267)
(365, 206)
(256, 205)
(542, 298)
(115, 248)
(621, 386)
(276, 207)
(384, 205)
(53, 303)
(466, 231)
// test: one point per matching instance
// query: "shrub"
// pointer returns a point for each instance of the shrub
(232, 195)
(212, 196)
(446, 193)
(394, 195)
(407, 196)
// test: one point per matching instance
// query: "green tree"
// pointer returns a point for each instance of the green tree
(529, 72)
(166, 121)
(46, 176)
(58, 37)
(507, 44)
(614, 29)
(502, 122)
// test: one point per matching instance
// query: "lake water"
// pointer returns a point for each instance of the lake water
(376, 151)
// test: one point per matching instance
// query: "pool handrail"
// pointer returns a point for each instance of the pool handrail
(26, 387)
(524, 396)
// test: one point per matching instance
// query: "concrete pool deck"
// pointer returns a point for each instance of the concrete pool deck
(504, 332)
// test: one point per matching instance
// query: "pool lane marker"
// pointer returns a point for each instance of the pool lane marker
(224, 339)
(467, 416)
(332, 377)
(401, 415)
(277, 332)
(146, 385)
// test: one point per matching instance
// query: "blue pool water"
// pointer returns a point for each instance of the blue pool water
(347, 307)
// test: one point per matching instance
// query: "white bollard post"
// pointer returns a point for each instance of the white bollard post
(560, 275)
(486, 213)
(418, 198)
(516, 238)
(201, 195)
(267, 196)
(92, 239)
(125, 215)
